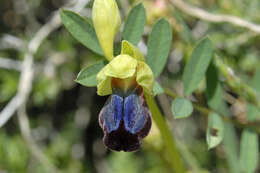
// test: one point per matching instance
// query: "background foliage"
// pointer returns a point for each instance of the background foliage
(219, 74)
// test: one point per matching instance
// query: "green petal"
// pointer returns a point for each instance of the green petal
(144, 77)
(125, 67)
(122, 67)
(131, 50)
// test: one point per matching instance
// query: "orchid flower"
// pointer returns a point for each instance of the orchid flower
(125, 118)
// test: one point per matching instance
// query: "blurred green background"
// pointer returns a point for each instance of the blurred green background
(64, 115)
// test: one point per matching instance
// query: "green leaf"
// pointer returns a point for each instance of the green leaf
(181, 108)
(197, 65)
(157, 88)
(249, 154)
(230, 147)
(255, 82)
(214, 90)
(159, 44)
(81, 30)
(215, 130)
(186, 32)
(252, 112)
(134, 25)
(87, 76)
(216, 102)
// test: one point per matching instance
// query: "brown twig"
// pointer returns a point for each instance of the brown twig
(33, 147)
(216, 18)
(19, 101)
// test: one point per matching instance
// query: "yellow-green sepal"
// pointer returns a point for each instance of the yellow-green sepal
(128, 70)
(121, 67)
(106, 20)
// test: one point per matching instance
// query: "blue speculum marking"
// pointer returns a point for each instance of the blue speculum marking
(125, 120)
(134, 114)
(129, 109)
(112, 113)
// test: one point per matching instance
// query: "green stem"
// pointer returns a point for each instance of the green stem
(235, 83)
(188, 157)
(206, 111)
(168, 140)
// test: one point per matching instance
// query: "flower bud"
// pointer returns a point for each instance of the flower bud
(106, 19)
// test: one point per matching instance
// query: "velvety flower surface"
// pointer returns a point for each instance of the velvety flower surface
(125, 121)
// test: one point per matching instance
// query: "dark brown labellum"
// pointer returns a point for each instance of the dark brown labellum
(125, 120)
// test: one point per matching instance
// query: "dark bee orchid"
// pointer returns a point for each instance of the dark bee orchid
(125, 120)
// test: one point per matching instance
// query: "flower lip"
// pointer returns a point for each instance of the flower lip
(122, 140)
(125, 120)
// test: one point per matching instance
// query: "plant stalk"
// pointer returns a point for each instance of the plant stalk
(168, 139)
